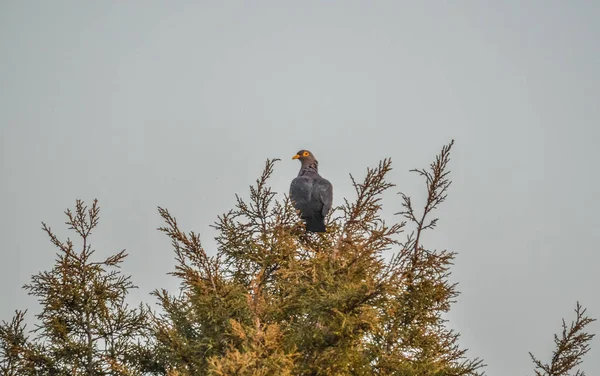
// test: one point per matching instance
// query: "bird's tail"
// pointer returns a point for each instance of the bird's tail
(315, 224)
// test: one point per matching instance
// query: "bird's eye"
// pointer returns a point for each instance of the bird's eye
(306, 154)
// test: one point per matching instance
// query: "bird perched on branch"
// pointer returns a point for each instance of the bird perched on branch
(310, 193)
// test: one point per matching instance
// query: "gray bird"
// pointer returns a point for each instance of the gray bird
(311, 194)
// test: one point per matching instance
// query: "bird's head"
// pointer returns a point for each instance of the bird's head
(305, 157)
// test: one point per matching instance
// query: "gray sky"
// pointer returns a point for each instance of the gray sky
(178, 104)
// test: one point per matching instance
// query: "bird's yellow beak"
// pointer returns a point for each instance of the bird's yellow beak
(296, 156)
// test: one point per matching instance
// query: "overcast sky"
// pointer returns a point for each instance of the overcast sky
(179, 103)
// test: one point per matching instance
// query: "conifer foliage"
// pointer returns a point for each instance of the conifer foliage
(571, 345)
(277, 300)
(367, 297)
(85, 327)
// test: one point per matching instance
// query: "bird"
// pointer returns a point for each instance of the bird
(311, 194)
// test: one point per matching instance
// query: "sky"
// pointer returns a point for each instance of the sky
(178, 104)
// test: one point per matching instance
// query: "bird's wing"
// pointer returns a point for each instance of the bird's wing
(300, 190)
(325, 195)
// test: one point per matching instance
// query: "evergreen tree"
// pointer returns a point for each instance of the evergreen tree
(277, 300)
(364, 298)
(85, 327)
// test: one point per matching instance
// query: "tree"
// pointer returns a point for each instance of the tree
(365, 298)
(85, 326)
(277, 300)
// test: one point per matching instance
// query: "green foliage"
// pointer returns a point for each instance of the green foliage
(85, 326)
(18, 355)
(364, 298)
(277, 300)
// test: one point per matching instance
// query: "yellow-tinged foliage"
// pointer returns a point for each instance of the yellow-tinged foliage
(364, 298)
